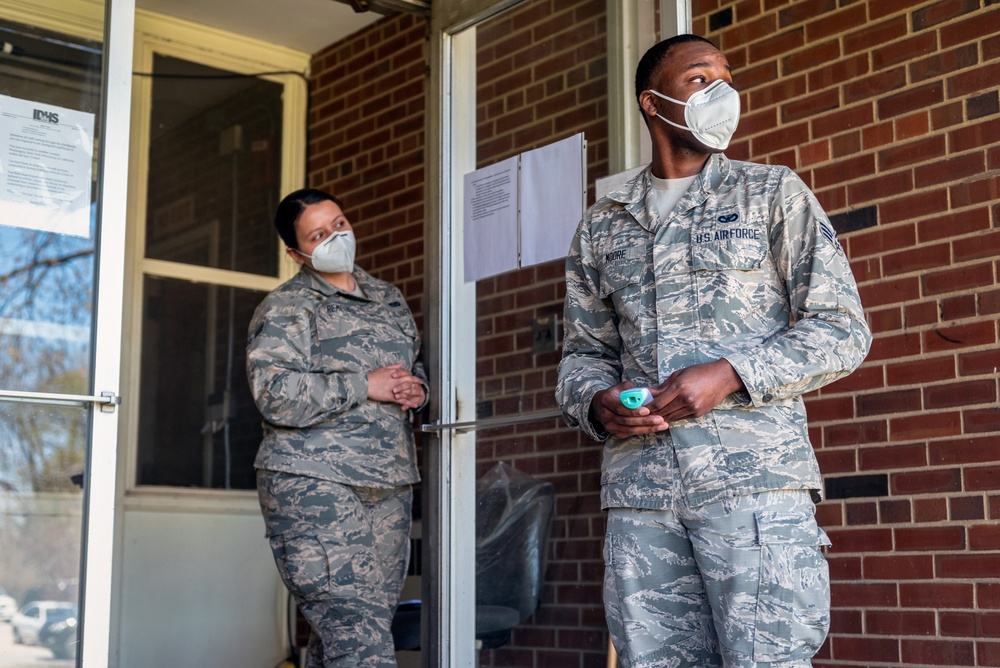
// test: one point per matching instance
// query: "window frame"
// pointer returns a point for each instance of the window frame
(156, 34)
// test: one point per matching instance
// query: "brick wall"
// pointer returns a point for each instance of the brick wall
(366, 145)
(890, 111)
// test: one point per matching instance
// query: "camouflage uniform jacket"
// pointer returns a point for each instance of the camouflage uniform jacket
(309, 352)
(746, 267)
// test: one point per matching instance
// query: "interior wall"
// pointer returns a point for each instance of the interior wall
(890, 111)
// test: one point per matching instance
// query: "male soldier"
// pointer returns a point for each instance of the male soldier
(720, 288)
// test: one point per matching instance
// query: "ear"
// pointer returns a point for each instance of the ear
(294, 254)
(647, 101)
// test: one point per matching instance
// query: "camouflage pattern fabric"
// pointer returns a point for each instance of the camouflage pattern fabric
(310, 349)
(342, 552)
(738, 583)
(746, 267)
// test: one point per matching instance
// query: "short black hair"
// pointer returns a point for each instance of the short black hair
(291, 208)
(653, 57)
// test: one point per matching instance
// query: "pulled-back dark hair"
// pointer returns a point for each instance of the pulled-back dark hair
(651, 60)
(292, 207)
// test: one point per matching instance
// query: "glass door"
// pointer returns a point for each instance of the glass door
(61, 225)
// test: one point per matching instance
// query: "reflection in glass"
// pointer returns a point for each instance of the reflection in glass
(198, 426)
(518, 333)
(42, 454)
(214, 168)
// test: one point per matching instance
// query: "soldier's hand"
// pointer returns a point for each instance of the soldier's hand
(694, 391)
(395, 384)
(607, 409)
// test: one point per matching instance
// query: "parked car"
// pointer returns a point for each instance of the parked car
(59, 633)
(8, 606)
(28, 621)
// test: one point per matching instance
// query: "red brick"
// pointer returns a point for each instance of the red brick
(811, 105)
(832, 23)
(855, 433)
(943, 63)
(907, 622)
(982, 24)
(776, 45)
(938, 652)
(983, 420)
(922, 313)
(847, 541)
(963, 451)
(984, 537)
(824, 53)
(911, 153)
(898, 511)
(988, 595)
(879, 134)
(866, 378)
(958, 308)
(865, 650)
(974, 136)
(837, 72)
(978, 566)
(912, 125)
(921, 371)
(917, 259)
(904, 50)
(932, 481)
(782, 138)
(880, 187)
(935, 595)
(975, 192)
(873, 86)
(747, 32)
(954, 225)
(786, 88)
(918, 205)
(892, 347)
(982, 478)
(930, 510)
(924, 426)
(835, 461)
(930, 538)
(973, 81)
(941, 11)
(859, 514)
(844, 170)
(978, 363)
(885, 320)
(898, 457)
(947, 115)
(989, 302)
(838, 121)
(966, 277)
(960, 394)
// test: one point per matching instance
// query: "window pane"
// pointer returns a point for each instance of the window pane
(214, 168)
(198, 426)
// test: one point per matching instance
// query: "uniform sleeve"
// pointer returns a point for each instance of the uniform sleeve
(288, 388)
(591, 344)
(829, 336)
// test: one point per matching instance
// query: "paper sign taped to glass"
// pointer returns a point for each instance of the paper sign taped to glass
(46, 160)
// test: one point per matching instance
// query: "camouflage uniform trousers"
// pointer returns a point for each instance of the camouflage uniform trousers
(738, 583)
(342, 552)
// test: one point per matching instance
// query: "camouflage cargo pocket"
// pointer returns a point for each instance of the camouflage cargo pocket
(793, 602)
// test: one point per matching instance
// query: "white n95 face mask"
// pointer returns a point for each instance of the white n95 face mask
(334, 255)
(711, 113)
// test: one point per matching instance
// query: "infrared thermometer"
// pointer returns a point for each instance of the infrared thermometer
(636, 397)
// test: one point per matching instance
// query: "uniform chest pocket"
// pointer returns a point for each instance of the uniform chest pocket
(620, 275)
(739, 246)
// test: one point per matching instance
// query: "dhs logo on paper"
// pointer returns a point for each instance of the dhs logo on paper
(48, 116)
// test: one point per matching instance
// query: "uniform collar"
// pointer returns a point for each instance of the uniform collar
(632, 195)
(368, 284)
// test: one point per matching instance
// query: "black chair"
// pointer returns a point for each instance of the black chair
(513, 518)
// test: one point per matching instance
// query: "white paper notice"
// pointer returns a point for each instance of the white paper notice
(46, 156)
(552, 187)
(490, 218)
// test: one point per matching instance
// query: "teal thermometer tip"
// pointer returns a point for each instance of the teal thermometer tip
(639, 396)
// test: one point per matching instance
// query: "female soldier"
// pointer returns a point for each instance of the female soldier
(332, 365)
